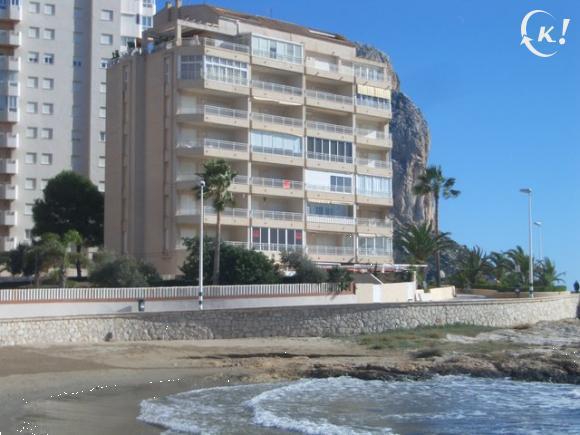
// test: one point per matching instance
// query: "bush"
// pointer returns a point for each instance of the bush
(341, 276)
(306, 270)
(110, 270)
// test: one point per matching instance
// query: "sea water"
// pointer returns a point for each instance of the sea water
(441, 405)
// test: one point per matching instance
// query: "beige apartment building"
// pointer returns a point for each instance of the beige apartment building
(53, 60)
(301, 119)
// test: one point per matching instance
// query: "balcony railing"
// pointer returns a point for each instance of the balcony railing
(236, 243)
(277, 247)
(370, 134)
(278, 120)
(330, 250)
(277, 151)
(327, 96)
(214, 144)
(240, 179)
(373, 222)
(373, 252)
(228, 212)
(342, 220)
(375, 193)
(386, 106)
(277, 56)
(379, 164)
(331, 128)
(332, 188)
(277, 87)
(278, 183)
(224, 112)
(211, 42)
(241, 81)
(329, 157)
(330, 67)
(277, 215)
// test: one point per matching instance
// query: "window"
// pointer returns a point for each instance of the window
(375, 245)
(33, 32)
(276, 143)
(78, 37)
(46, 159)
(48, 58)
(49, 34)
(106, 15)
(104, 63)
(30, 158)
(374, 186)
(214, 68)
(101, 186)
(78, 12)
(106, 39)
(147, 22)
(147, 3)
(103, 88)
(28, 234)
(77, 63)
(336, 210)
(31, 107)
(369, 72)
(47, 108)
(31, 132)
(43, 183)
(330, 150)
(276, 49)
(276, 239)
(30, 184)
(102, 112)
(34, 7)
(102, 136)
(49, 9)
(32, 82)
(77, 86)
(101, 161)
(340, 184)
(28, 209)
(33, 57)
(46, 133)
(48, 84)
(76, 111)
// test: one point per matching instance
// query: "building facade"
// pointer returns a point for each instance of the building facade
(53, 60)
(300, 118)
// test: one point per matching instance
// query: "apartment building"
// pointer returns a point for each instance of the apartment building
(300, 118)
(53, 59)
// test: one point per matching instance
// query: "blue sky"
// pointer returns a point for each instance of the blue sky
(500, 117)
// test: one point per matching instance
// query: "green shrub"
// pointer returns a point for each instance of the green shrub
(110, 270)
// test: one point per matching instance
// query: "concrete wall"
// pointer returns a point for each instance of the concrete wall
(501, 295)
(385, 293)
(312, 321)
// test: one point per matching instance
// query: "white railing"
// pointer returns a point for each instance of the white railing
(277, 87)
(372, 252)
(326, 188)
(330, 250)
(209, 210)
(374, 193)
(374, 222)
(225, 112)
(277, 247)
(278, 183)
(380, 164)
(218, 43)
(342, 220)
(214, 144)
(240, 179)
(242, 81)
(332, 128)
(386, 106)
(278, 120)
(237, 244)
(278, 151)
(277, 56)
(277, 215)
(327, 96)
(91, 294)
(329, 157)
(330, 67)
(370, 134)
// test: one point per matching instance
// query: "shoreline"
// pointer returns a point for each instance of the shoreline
(105, 383)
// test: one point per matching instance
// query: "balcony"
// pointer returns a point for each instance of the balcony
(8, 191)
(237, 244)
(9, 63)
(382, 227)
(215, 148)
(277, 92)
(365, 136)
(213, 82)
(276, 60)
(240, 184)
(7, 218)
(333, 224)
(326, 100)
(277, 187)
(374, 108)
(329, 131)
(10, 88)
(8, 166)
(277, 156)
(282, 124)
(329, 193)
(220, 48)
(223, 116)
(280, 219)
(372, 75)
(9, 140)
(331, 254)
(7, 243)
(373, 256)
(10, 38)
(329, 162)
(11, 12)
(374, 198)
(382, 168)
(230, 216)
(329, 71)
(277, 247)
(190, 181)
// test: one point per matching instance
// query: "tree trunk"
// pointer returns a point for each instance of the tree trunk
(216, 252)
(78, 262)
(63, 274)
(437, 253)
(36, 272)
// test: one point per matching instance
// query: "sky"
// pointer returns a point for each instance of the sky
(500, 117)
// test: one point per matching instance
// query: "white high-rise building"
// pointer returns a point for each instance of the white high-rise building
(53, 59)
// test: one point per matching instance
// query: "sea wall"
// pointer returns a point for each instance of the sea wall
(308, 321)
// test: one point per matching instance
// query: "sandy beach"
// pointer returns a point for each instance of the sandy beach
(97, 388)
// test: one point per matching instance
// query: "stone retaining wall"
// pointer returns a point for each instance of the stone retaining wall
(337, 320)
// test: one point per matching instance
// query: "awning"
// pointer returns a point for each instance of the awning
(374, 92)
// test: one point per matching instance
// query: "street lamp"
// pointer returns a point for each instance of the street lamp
(528, 192)
(539, 224)
(201, 186)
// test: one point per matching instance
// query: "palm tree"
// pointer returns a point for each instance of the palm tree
(520, 264)
(501, 265)
(547, 274)
(218, 176)
(473, 265)
(433, 183)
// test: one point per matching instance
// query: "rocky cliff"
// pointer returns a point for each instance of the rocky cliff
(410, 148)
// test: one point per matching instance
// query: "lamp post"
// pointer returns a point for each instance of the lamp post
(540, 224)
(528, 192)
(201, 186)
